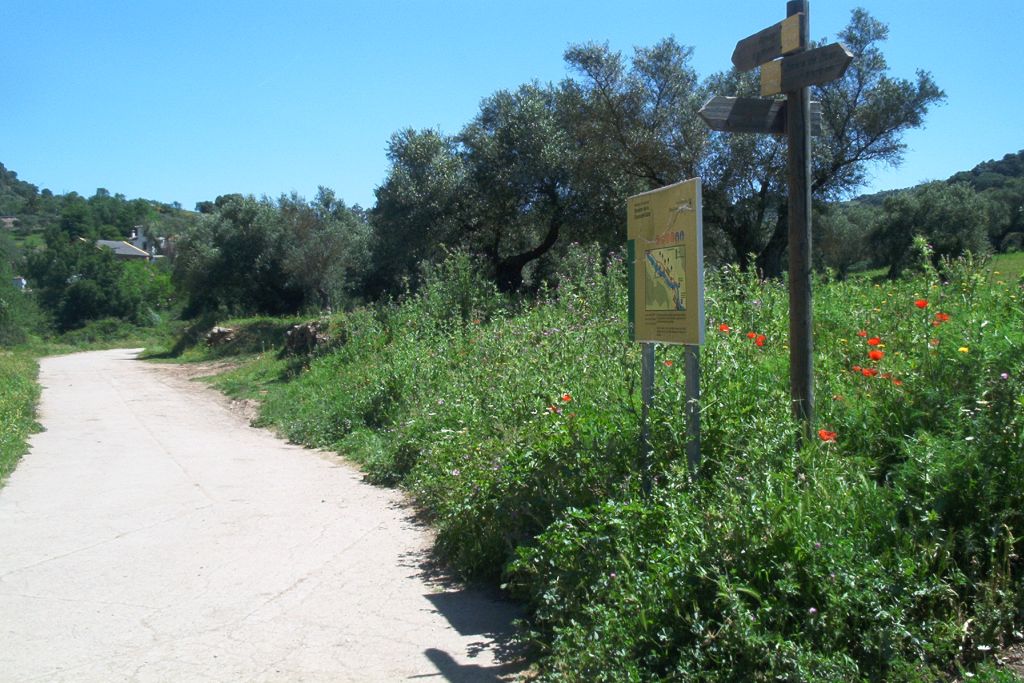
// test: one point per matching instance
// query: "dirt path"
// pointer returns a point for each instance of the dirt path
(152, 535)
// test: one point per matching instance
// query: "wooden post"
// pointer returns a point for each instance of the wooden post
(798, 134)
(797, 70)
(647, 396)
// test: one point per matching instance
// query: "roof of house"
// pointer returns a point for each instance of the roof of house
(122, 248)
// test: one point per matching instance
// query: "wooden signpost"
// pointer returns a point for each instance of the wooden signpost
(787, 66)
(804, 69)
(752, 115)
(785, 37)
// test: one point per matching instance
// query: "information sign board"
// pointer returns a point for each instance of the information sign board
(665, 251)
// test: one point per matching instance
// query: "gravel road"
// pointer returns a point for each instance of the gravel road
(151, 535)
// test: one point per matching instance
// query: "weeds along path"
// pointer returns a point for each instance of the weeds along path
(151, 534)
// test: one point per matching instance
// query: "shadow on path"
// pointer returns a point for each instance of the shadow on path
(454, 672)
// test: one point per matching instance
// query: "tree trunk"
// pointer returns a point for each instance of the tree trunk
(771, 258)
(509, 271)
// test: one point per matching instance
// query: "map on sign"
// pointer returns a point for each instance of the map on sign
(666, 279)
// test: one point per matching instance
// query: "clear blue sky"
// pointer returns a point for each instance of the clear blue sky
(183, 101)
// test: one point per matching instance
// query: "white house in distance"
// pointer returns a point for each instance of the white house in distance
(19, 282)
(153, 246)
(123, 250)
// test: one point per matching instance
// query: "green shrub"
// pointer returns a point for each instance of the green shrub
(20, 317)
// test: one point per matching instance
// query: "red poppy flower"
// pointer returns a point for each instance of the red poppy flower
(724, 328)
(869, 372)
(826, 436)
(874, 341)
(921, 303)
(760, 340)
(856, 368)
(668, 364)
(933, 342)
(751, 335)
(941, 317)
(862, 333)
(566, 398)
(898, 382)
(875, 354)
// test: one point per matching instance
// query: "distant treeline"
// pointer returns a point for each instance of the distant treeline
(980, 211)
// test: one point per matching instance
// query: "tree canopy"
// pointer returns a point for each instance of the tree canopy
(249, 255)
(546, 165)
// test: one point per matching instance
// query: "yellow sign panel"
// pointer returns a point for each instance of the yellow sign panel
(665, 250)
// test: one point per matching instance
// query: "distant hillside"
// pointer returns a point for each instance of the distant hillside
(987, 175)
(27, 212)
(993, 174)
(14, 193)
(877, 198)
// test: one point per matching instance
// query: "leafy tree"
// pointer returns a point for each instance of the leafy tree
(519, 163)
(418, 206)
(76, 282)
(114, 215)
(15, 194)
(543, 166)
(19, 314)
(864, 116)
(328, 248)
(514, 188)
(1006, 214)
(144, 288)
(992, 173)
(951, 217)
(1001, 184)
(233, 259)
(76, 218)
(842, 236)
(744, 183)
(643, 116)
(260, 256)
(635, 128)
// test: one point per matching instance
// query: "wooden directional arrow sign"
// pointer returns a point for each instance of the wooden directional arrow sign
(812, 67)
(764, 46)
(752, 115)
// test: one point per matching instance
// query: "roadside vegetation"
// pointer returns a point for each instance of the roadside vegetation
(465, 339)
(888, 549)
(17, 406)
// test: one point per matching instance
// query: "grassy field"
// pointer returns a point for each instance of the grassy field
(1007, 267)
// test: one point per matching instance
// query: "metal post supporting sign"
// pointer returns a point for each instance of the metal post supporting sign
(665, 248)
